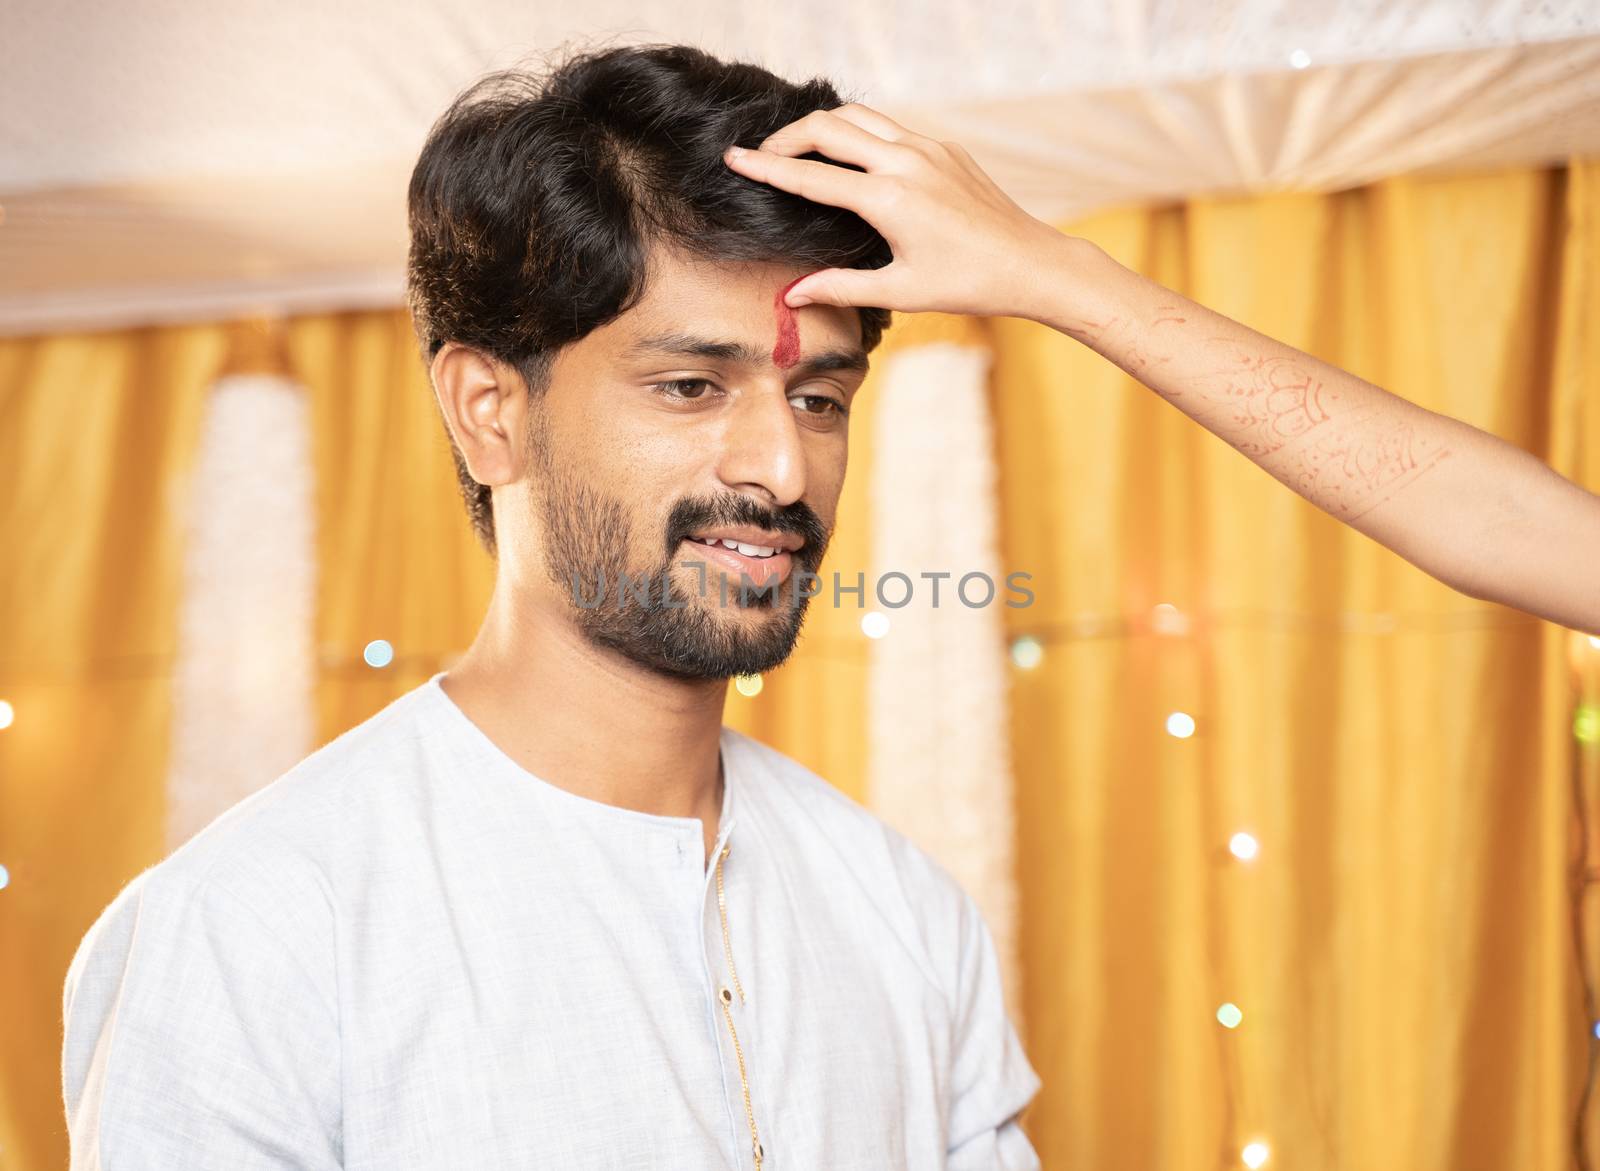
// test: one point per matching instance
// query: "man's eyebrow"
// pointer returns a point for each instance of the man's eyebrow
(741, 354)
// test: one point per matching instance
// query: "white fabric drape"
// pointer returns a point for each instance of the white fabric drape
(243, 687)
(128, 202)
(939, 763)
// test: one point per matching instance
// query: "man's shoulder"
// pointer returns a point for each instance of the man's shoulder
(779, 779)
(839, 813)
(913, 887)
(312, 806)
(272, 850)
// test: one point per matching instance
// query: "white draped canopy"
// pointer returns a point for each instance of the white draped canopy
(167, 161)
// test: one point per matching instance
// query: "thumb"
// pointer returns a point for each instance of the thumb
(834, 286)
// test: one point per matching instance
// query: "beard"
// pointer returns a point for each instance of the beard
(714, 629)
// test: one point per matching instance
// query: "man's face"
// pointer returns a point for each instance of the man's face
(670, 426)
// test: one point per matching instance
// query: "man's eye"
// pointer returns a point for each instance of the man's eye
(821, 404)
(669, 388)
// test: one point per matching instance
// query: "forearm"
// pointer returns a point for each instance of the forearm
(1476, 512)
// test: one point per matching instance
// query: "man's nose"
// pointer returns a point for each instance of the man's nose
(762, 448)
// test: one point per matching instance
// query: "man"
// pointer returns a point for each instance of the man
(545, 910)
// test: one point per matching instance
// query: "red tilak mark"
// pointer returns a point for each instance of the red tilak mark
(786, 351)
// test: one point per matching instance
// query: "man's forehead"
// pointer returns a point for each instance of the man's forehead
(733, 321)
(721, 298)
(698, 341)
(674, 268)
(723, 311)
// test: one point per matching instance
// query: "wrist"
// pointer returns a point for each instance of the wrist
(1077, 285)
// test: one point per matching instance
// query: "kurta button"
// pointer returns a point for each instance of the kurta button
(727, 997)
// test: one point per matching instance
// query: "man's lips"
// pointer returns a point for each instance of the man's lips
(760, 570)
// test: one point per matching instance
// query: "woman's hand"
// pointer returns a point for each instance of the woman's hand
(960, 244)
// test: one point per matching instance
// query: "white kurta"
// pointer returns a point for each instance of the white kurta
(408, 952)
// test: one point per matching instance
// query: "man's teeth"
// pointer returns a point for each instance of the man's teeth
(747, 550)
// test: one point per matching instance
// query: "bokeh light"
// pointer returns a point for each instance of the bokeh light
(1026, 652)
(1166, 618)
(874, 624)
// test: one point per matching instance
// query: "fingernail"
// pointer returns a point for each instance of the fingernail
(796, 302)
(734, 152)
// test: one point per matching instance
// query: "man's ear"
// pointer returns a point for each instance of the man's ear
(483, 403)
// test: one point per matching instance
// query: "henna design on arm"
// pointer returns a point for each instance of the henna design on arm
(1353, 471)
(1120, 339)
(1269, 402)
(1277, 410)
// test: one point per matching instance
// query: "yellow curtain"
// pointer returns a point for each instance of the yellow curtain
(1401, 950)
(96, 434)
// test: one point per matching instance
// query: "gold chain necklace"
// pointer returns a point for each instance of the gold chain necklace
(726, 998)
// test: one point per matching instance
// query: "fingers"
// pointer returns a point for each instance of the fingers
(968, 163)
(869, 119)
(845, 287)
(829, 133)
(886, 127)
(809, 179)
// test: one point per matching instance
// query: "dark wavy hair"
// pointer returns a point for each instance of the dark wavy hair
(537, 197)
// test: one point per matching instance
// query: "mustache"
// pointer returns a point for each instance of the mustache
(694, 513)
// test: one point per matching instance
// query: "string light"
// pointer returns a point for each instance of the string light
(7, 714)
(874, 624)
(747, 684)
(378, 653)
(1169, 620)
(5, 878)
(1585, 730)
(1026, 652)
(1586, 723)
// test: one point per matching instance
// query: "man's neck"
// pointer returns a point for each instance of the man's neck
(588, 721)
